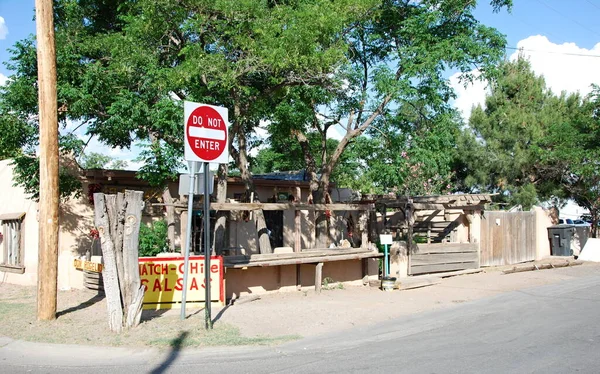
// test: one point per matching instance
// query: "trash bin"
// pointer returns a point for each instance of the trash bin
(560, 239)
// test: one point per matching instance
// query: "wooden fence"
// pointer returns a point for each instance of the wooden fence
(507, 238)
(440, 257)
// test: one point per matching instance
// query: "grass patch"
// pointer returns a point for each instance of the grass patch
(220, 335)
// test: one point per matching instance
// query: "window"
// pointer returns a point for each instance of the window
(11, 242)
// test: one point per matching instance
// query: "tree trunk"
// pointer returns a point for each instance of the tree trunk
(131, 277)
(242, 162)
(116, 214)
(221, 223)
(168, 200)
(109, 271)
(118, 221)
(594, 228)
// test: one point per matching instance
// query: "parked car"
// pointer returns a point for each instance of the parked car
(565, 221)
(582, 223)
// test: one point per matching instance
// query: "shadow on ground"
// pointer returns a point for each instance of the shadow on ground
(176, 345)
(97, 298)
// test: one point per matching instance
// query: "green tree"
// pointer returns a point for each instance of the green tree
(570, 152)
(498, 151)
(95, 160)
(395, 59)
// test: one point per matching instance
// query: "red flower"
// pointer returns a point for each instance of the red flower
(94, 234)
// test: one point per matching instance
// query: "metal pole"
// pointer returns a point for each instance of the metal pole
(206, 214)
(192, 166)
(385, 261)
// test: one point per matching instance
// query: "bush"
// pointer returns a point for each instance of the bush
(153, 239)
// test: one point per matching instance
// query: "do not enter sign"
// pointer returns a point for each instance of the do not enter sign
(206, 133)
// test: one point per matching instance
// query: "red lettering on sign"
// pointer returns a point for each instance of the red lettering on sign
(144, 283)
(193, 268)
(156, 285)
(143, 270)
(214, 268)
(167, 285)
(179, 285)
(194, 285)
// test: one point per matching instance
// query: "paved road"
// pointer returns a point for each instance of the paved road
(548, 329)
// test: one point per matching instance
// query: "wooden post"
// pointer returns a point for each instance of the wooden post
(318, 277)
(221, 222)
(297, 223)
(364, 229)
(410, 220)
(48, 214)
(298, 236)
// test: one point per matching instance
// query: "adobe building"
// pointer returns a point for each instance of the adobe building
(450, 232)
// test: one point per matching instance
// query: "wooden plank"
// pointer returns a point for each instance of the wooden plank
(434, 225)
(443, 258)
(443, 267)
(283, 256)
(519, 269)
(290, 206)
(449, 274)
(309, 260)
(417, 282)
(445, 248)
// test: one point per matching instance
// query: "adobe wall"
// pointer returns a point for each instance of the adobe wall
(262, 280)
(15, 200)
(543, 219)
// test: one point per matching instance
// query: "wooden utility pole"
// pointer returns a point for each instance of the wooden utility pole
(48, 205)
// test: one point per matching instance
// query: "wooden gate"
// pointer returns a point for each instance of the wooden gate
(507, 238)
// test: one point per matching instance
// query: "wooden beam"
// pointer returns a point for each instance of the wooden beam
(422, 269)
(282, 256)
(434, 248)
(290, 206)
(300, 260)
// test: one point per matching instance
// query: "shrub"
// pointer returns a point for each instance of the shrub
(153, 239)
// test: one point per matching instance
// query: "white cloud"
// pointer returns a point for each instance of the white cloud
(468, 95)
(565, 67)
(94, 146)
(3, 29)
(336, 132)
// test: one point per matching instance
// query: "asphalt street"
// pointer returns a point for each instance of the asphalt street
(548, 329)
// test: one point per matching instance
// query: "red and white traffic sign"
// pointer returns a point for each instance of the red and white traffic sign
(206, 133)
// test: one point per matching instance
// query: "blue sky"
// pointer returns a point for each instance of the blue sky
(560, 37)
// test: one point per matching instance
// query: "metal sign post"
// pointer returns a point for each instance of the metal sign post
(207, 302)
(385, 239)
(206, 135)
(193, 169)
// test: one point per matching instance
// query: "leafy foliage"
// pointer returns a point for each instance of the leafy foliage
(498, 150)
(154, 239)
(94, 160)
(124, 67)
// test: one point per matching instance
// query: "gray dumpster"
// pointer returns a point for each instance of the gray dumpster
(560, 239)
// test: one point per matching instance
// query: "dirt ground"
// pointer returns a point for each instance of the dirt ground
(265, 319)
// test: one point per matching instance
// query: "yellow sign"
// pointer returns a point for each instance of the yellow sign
(87, 265)
(163, 279)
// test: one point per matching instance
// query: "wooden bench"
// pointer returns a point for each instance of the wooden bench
(315, 257)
